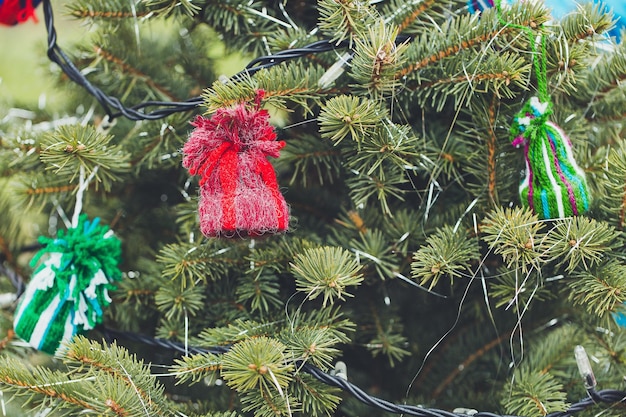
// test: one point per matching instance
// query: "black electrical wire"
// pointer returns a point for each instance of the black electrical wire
(114, 108)
(608, 396)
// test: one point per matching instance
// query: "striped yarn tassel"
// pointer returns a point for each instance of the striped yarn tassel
(554, 186)
(69, 290)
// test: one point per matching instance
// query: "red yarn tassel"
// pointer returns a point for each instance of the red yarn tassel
(238, 189)
(13, 12)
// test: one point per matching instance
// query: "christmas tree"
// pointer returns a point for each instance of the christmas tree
(432, 195)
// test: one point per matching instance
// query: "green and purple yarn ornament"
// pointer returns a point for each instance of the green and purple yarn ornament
(69, 289)
(554, 186)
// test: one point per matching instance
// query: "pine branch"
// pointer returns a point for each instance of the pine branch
(350, 116)
(290, 81)
(315, 397)
(538, 395)
(601, 85)
(372, 249)
(408, 15)
(176, 301)
(582, 242)
(499, 73)
(387, 338)
(517, 235)
(121, 366)
(111, 382)
(176, 7)
(155, 145)
(35, 191)
(260, 291)
(587, 21)
(376, 60)
(72, 148)
(312, 162)
(450, 378)
(188, 262)
(256, 364)
(345, 19)
(326, 271)
(600, 290)
(124, 67)
(511, 288)
(107, 10)
(447, 252)
(614, 196)
(466, 32)
(37, 382)
(197, 368)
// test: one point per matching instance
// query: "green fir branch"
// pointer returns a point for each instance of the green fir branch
(513, 288)
(292, 81)
(192, 369)
(315, 397)
(260, 291)
(311, 161)
(107, 10)
(447, 252)
(366, 190)
(174, 7)
(72, 148)
(600, 290)
(350, 116)
(189, 262)
(176, 301)
(315, 345)
(613, 197)
(471, 33)
(236, 331)
(587, 21)
(256, 363)
(582, 242)
(535, 394)
(326, 271)
(516, 235)
(345, 19)
(372, 250)
(376, 60)
(416, 16)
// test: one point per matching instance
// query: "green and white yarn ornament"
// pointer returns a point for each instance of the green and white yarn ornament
(69, 290)
(554, 186)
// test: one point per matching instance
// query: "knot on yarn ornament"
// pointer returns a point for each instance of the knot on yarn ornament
(554, 185)
(69, 290)
(239, 193)
(13, 12)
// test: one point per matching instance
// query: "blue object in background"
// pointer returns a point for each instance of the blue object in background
(620, 319)
(562, 7)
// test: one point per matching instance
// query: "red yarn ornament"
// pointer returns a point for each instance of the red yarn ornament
(238, 189)
(13, 12)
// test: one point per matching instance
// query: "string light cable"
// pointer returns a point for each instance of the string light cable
(114, 107)
(607, 396)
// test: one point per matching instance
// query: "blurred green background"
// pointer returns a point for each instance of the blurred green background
(26, 75)
(24, 68)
